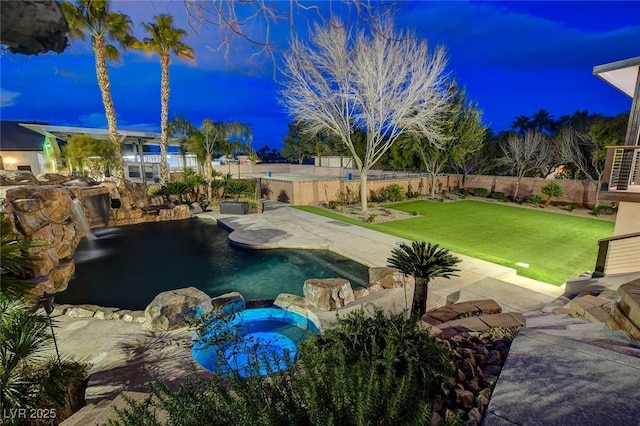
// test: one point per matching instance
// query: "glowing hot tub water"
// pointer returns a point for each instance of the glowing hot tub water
(252, 342)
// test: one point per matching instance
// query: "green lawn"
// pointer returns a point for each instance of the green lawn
(556, 246)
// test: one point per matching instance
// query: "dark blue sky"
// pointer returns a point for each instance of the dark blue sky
(514, 58)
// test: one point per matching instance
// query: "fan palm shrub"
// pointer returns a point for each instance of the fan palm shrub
(424, 261)
(235, 187)
(551, 190)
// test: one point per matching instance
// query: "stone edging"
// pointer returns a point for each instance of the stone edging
(99, 312)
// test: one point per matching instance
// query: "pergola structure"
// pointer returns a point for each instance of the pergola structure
(133, 138)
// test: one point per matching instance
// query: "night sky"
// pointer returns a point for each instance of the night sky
(514, 58)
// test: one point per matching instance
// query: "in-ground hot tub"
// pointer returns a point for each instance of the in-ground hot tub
(252, 342)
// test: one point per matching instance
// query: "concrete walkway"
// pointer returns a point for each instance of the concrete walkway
(125, 356)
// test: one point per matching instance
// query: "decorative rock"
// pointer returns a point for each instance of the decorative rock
(52, 178)
(493, 370)
(374, 288)
(125, 315)
(465, 398)
(388, 277)
(229, 303)
(80, 312)
(474, 414)
(285, 300)
(328, 294)
(60, 309)
(360, 292)
(105, 313)
(17, 177)
(196, 208)
(173, 309)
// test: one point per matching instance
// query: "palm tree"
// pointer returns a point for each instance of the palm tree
(542, 120)
(182, 128)
(521, 123)
(424, 261)
(94, 18)
(165, 40)
(213, 137)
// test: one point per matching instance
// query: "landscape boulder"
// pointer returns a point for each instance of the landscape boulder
(387, 277)
(17, 177)
(328, 294)
(229, 303)
(175, 308)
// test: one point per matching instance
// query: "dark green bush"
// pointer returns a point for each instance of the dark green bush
(551, 190)
(235, 187)
(176, 187)
(334, 204)
(393, 192)
(571, 207)
(600, 210)
(534, 199)
(480, 192)
(499, 196)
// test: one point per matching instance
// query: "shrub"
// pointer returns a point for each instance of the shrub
(371, 218)
(480, 192)
(414, 213)
(393, 192)
(551, 190)
(534, 199)
(499, 196)
(235, 188)
(176, 187)
(571, 207)
(154, 190)
(375, 197)
(333, 204)
(600, 210)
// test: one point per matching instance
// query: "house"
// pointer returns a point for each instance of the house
(621, 253)
(24, 149)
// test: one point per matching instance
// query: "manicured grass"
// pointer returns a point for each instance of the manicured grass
(556, 246)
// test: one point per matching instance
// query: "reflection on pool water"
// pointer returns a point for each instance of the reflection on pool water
(127, 267)
(252, 342)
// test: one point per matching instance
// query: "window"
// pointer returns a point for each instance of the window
(25, 168)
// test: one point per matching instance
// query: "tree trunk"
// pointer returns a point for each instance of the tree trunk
(433, 184)
(515, 193)
(102, 74)
(598, 189)
(164, 118)
(207, 174)
(363, 190)
(419, 303)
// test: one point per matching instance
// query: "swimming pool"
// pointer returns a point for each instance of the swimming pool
(126, 267)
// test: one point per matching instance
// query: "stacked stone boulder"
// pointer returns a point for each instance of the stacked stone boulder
(176, 308)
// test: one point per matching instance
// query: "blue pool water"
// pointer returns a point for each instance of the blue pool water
(252, 342)
(126, 267)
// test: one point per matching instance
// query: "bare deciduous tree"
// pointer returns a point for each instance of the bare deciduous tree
(382, 81)
(524, 154)
(581, 150)
(264, 26)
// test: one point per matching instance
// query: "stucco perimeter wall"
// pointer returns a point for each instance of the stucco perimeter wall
(311, 193)
(627, 219)
(580, 193)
